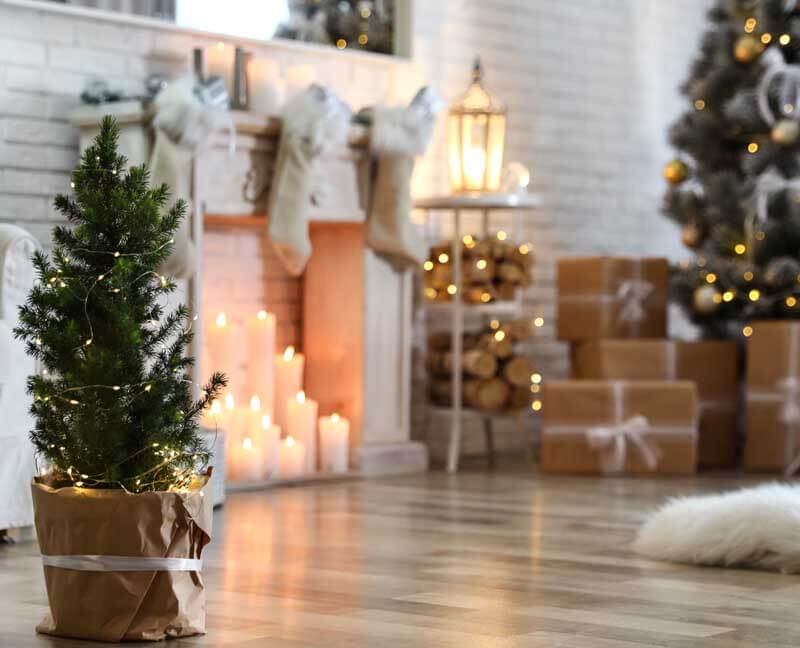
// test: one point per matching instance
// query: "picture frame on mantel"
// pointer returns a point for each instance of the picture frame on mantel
(293, 33)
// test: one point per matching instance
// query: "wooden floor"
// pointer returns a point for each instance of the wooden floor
(479, 559)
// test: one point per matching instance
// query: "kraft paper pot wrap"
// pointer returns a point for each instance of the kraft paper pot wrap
(102, 526)
(713, 365)
(612, 297)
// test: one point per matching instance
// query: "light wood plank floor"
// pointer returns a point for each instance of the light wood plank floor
(476, 560)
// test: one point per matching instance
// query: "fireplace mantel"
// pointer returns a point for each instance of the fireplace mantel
(356, 308)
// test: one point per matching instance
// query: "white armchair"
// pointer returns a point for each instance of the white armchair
(17, 276)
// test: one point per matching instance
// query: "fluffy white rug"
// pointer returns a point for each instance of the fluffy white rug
(752, 527)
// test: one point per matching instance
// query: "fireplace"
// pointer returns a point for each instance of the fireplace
(349, 313)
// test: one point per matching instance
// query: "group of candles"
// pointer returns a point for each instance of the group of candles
(268, 89)
(280, 434)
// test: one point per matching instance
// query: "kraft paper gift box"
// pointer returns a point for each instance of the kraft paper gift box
(773, 397)
(612, 297)
(122, 566)
(617, 426)
(713, 365)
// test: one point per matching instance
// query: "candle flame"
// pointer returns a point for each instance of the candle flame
(216, 408)
(289, 441)
(222, 319)
(229, 402)
(301, 397)
(266, 421)
(289, 353)
(220, 45)
(262, 314)
(255, 403)
(335, 417)
(247, 444)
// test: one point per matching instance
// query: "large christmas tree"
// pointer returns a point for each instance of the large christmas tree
(735, 184)
(113, 404)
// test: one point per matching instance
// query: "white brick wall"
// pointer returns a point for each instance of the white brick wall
(590, 86)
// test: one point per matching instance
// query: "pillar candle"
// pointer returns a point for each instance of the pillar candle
(219, 62)
(334, 440)
(302, 425)
(213, 415)
(225, 350)
(271, 439)
(267, 87)
(260, 353)
(248, 451)
(288, 381)
(291, 458)
(298, 78)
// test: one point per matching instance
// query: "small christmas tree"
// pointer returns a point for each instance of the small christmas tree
(113, 404)
(731, 186)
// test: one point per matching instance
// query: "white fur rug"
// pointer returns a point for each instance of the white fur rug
(752, 527)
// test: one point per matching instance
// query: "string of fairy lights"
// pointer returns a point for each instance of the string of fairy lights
(179, 477)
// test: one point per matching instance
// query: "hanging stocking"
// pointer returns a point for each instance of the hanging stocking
(397, 136)
(314, 122)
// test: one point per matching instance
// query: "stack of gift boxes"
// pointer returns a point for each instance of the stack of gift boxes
(636, 402)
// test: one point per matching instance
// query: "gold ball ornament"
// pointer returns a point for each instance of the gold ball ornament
(785, 132)
(706, 299)
(747, 49)
(676, 172)
(691, 235)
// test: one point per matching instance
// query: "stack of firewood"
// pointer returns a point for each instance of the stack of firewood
(495, 377)
(492, 269)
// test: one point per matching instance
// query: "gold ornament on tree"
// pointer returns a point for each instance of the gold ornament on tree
(691, 235)
(706, 299)
(676, 172)
(747, 49)
(785, 132)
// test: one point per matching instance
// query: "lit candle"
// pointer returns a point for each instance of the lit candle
(248, 451)
(266, 86)
(298, 78)
(302, 415)
(213, 414)
(291, 458)
(260, 352)
(225, 350)
(288, 381)
(334, 439)
(219, 62)
(271, 440)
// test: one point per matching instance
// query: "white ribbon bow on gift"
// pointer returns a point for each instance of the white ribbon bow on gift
(632, 294)
(613, 439)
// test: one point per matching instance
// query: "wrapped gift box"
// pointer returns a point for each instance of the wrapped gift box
(617, 426)
(713, 365)
(612, 297)
(773, 396)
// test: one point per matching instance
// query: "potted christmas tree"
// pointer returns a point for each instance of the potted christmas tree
(120, 512)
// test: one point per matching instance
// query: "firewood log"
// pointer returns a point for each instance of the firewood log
(510, 272)
(517, 371)
(440, 276)
(501, 348)
(505, 291)
(520, 398)
(491, 394)
(479, 270)
(474, 362)
(519, 330)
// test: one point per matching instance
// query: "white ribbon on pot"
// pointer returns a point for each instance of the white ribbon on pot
(769, 183)
(98, 563)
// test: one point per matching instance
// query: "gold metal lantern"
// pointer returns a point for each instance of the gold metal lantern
(476, 136)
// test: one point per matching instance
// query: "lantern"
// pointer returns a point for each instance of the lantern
(476, 134)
